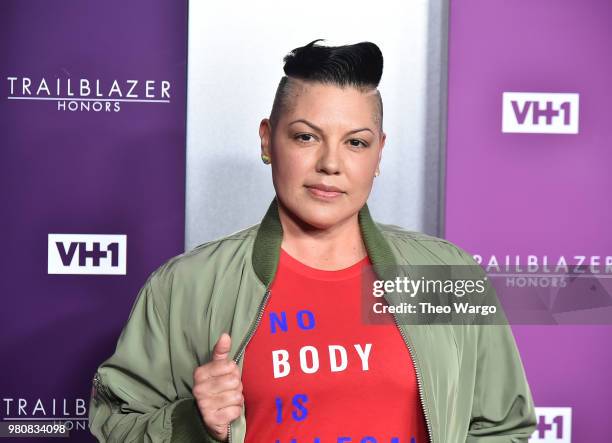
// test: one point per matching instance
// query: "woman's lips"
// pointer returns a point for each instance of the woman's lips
(322, 193)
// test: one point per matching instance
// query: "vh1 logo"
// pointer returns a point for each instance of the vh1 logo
(540, 112)
(86, 254)
(554, 425)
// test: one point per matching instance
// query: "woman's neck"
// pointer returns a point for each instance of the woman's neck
(336, 247)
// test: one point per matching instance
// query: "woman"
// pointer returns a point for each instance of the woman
(209, 354)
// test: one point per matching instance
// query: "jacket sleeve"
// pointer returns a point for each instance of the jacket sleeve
(133, 396)
(503, 408)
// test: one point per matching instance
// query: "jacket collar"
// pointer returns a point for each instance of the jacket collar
(266, 249)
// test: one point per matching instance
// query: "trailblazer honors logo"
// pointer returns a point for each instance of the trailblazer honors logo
(540, 112)
(87, 254)
(71, 412)
(551, 289)
(554, 425)
(88, 95)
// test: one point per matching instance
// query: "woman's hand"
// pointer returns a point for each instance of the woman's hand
(217, 389)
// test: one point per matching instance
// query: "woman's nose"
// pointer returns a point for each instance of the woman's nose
(329, 161)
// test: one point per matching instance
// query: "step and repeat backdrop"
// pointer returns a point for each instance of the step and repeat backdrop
(92, 179)
(92, 186)
(529, 151)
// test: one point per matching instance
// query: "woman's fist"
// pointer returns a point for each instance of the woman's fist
(217, 389)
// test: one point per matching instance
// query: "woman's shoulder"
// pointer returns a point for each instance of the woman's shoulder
(396, 230)
(424, 248)
(241, 235)
(210, 256)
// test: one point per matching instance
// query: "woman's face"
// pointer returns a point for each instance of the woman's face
(325, 150)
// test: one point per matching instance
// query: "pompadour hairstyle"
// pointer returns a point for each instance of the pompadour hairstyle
(359, 66)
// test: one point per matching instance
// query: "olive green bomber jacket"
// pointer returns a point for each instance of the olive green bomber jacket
(471, 379)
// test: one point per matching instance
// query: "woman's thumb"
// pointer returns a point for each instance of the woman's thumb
(222, 347)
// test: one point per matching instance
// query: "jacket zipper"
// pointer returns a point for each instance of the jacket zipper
(245, 342)
(102, 392)
(418, 374)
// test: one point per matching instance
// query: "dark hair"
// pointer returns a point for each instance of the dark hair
(359, 66)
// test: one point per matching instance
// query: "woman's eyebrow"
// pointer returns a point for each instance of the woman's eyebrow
(306, 122)
(316, 128)
(359, 130)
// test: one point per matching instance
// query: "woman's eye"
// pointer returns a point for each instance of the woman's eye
(304, 137)
(357, 143)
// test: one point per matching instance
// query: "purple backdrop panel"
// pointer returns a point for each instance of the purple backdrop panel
(528, 160)
(92, 174)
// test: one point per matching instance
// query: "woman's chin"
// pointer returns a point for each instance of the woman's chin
(321, 216)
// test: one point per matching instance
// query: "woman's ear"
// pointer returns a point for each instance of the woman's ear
(383, 138)
(265, 134)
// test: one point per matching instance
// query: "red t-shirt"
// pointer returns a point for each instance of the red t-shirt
(314, 372)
